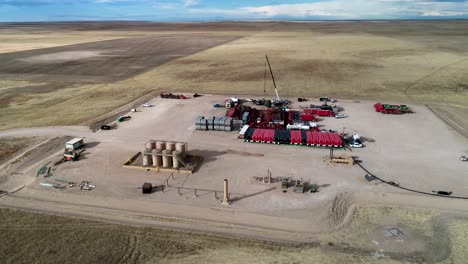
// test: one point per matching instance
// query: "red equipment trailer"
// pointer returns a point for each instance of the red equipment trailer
(338, 141)
(308, 117)
(334, 141)
(326, 139)
(309, 138)
(296, 137)
(316, 139)
(256, 137)
(269, 136)
(325, 113)
(261, 135)
(321, 139)
(232, 112)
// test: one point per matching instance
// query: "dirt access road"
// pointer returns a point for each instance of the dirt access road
(401, 150)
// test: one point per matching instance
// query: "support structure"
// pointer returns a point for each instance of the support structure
(226, 193)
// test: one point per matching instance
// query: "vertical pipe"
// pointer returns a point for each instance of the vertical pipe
(226, 193)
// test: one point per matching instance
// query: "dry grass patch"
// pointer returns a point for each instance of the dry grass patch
(12, 145)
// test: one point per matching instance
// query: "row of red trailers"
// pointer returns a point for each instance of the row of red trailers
(294, 137)
(324, 139)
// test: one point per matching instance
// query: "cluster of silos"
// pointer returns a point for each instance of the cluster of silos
(215, 123)
(164, 154)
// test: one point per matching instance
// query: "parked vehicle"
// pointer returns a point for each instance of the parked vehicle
(328, 131)
(340, 116)
(71, 155)
(463, 158)
(147, 105)
(123, 118)
(356, 145)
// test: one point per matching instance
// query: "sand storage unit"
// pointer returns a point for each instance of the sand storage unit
(157, 157)
(215, 123)
(161, 145)
(160, 155)
(166, 158)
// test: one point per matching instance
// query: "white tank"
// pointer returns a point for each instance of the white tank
(180, 147)
(147, 161)
(167, 159)
(161, 145)
(175, 160)
(170, 146)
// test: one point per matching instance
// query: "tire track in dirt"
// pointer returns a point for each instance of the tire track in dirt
(340, 210)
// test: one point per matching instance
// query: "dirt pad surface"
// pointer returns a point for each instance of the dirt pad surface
(110, 60)
(398, 148)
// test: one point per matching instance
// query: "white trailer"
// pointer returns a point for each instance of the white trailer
(74, 144)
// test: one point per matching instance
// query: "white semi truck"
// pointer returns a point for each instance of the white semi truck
(73, 149)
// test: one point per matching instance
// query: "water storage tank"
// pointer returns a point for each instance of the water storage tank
(147, 161)
(161, 145)
(181, 148)
(167, 159)
(170, 146)
(156, 159)
(175, 160)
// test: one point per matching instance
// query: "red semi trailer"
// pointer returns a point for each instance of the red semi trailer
(391, 109)
(319, 112)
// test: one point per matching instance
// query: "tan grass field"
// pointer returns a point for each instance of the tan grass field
(350, 60)
(38, 238)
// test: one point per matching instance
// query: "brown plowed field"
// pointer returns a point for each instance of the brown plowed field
(103, 61)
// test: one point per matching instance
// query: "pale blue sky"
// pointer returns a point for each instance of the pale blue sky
(205, 10)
